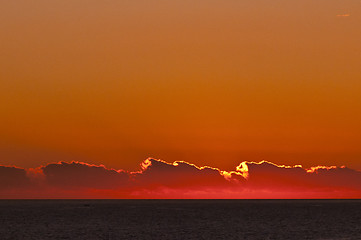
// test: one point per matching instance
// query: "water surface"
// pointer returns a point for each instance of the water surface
(180, 219)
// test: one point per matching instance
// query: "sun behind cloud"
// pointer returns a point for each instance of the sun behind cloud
(160, 179)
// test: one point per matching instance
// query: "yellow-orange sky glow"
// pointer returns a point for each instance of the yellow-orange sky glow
(211, 82)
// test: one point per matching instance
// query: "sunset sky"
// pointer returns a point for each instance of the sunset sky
(209, 82)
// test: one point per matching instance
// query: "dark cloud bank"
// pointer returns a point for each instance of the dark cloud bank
(159, 179)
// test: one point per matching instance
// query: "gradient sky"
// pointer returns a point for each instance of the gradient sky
(211, 82)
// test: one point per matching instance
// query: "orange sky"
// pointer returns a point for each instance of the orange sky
(209, 82)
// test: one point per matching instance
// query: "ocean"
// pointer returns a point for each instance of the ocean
(180, 219)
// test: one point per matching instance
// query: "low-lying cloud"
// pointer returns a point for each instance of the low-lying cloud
(13, 177)
(77, 175)
(160, 179)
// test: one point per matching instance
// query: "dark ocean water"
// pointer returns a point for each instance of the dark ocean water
(180, 219)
